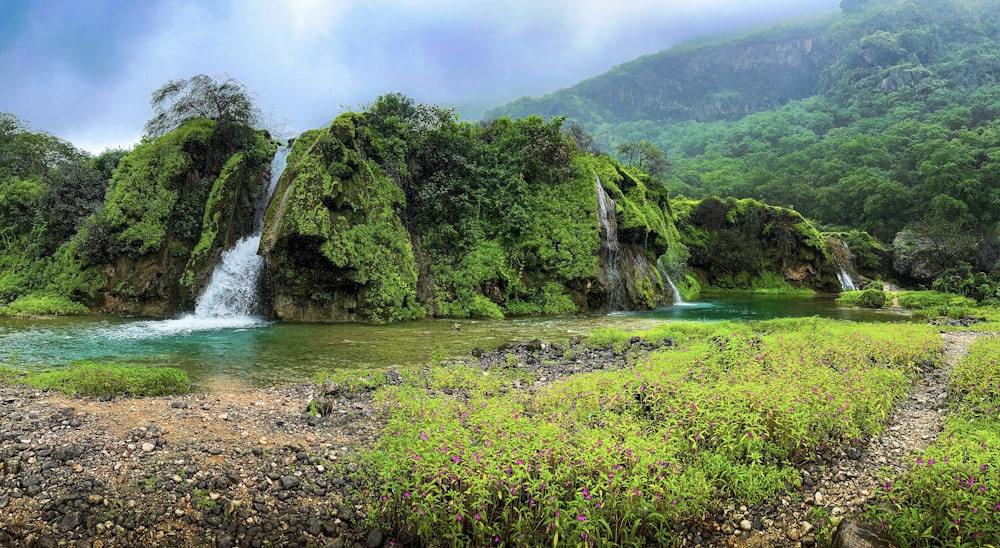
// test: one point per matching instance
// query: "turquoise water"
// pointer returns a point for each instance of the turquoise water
(220, 354)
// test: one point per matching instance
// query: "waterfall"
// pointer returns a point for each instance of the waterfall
(609, 248)
(678, 299)
(842, 257)
(846, 283)
(234, 289)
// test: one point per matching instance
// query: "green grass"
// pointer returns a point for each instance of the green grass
(104, 379)
(620, 458)
(951, 496)
(922, 300)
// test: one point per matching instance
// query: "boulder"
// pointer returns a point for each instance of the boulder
(853, 532)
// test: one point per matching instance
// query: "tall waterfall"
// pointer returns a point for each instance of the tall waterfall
(617, 294)
(234, 288)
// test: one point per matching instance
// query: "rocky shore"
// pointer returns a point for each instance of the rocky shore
(256, 468)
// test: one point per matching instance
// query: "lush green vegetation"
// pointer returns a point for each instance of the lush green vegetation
(42, 305)
(620, 457)
(951, 495)
(400, 210)
(881, 118)
(47, 191)
(104, 379)
(747, 245)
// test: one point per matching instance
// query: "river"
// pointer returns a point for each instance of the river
(232, 355)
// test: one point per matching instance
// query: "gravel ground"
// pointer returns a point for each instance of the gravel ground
(253, 468)
(244, 469)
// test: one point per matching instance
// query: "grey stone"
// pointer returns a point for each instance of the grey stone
(375, 538)
(855, 533)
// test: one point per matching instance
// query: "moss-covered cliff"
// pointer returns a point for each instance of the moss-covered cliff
(173, 204)
(744, 244)
(334, 243)
(401, 211)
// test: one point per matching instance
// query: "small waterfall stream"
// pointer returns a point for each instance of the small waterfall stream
(617, 294)
(234, 288)
(846, 283)
(678, 298)
(842, 257)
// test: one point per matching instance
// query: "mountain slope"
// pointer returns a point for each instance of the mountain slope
(881, 118)
(722, 81)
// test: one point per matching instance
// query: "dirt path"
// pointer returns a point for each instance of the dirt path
(847, 482)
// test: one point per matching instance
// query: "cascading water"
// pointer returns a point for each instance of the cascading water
(233, 292)
(846, 283)
(678, 299)
(842, 257)
(609, 247)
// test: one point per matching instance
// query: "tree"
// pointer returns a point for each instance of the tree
(225, 101)
(644, 155)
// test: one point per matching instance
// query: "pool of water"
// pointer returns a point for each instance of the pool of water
(224, 354)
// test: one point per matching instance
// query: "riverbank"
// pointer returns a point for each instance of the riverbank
(264, 467)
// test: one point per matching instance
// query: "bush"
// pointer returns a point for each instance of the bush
(871, 298)
(42, 305)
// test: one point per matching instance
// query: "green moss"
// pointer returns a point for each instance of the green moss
(146, 189)
(232, 197)
(351, 220)
(745, 245)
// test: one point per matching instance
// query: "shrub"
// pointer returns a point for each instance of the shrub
(42, 305)
(871, 298)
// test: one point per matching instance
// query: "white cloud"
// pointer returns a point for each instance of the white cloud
(307, 58)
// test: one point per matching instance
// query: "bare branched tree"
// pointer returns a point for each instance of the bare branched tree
(224, 100)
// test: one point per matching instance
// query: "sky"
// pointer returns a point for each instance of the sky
(84, 70)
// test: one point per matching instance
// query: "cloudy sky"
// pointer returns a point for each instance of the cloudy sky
(84, 69)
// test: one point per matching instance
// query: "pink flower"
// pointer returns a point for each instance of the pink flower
(581, 518)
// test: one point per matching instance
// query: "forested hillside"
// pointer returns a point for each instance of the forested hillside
(881, 118)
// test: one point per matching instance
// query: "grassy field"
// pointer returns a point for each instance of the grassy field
(621, 457)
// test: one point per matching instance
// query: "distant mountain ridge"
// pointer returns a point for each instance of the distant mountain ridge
(728, 80)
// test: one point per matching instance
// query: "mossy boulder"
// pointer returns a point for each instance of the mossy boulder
(746, 245)
(335, 246)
